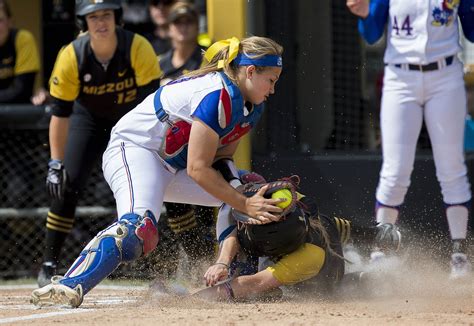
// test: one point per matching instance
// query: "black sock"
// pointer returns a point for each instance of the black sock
(54, 244)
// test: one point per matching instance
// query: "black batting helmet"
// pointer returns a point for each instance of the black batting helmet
(277, 238)
(85, 7)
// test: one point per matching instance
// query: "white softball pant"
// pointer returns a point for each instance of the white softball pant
(140, 181)
(439, 98)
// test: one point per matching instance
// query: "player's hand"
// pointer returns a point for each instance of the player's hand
(216, 273)
(261, 209)
(358, 7)
(41, 97)
(56, 179)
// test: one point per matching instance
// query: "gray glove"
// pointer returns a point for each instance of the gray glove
(56, 179)
(388, 237)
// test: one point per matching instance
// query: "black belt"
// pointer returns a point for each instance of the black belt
(429, 67)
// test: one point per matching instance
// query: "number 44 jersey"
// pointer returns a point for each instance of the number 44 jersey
(421, 31)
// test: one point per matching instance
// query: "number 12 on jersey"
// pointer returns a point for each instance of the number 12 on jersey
(405, 30)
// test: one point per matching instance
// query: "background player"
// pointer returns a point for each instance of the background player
(423, 81)
(164, 150)
(159, 37)
(185, 54)
(96, 80)
(19, 60)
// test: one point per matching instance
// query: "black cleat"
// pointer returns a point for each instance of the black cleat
(47, 271)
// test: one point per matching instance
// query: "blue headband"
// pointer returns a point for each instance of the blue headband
(265, 61)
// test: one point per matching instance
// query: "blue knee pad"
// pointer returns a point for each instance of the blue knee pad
(125, 240)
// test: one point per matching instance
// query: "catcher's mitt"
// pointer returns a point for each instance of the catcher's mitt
(251, 189)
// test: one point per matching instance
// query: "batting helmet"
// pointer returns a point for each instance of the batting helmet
(85, 7)
(277, 238)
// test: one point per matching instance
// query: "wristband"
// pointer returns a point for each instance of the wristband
(227, 266)
(55, 164)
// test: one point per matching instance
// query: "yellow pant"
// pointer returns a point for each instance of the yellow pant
(300, 265)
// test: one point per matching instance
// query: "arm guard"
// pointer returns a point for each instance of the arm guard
(229, 172)
(61, 108)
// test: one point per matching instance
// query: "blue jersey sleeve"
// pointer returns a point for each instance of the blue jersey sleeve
(371, 28)
(207, 110)
(466, 15)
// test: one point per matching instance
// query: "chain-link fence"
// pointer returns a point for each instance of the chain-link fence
(24, 154)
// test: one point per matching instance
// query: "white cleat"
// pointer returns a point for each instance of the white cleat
(460, 267)
(377, 257)
(57, 294)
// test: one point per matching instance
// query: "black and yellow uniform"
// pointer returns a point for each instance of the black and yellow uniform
(19, 64)
(104, 92)
(313, 261)
(95, 96)
(171, 72)
(305, 246)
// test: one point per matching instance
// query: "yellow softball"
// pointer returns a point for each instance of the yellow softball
(283, 193)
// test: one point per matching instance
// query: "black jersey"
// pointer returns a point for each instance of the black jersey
(105, 91)
(314, 266)
(160, 45)
(170, 72)
(333, 268)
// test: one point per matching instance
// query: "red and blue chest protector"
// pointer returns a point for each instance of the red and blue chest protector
(220, 106)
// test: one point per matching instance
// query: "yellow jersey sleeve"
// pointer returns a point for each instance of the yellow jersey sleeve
(27, 56)
(144, 61)
(64, 83)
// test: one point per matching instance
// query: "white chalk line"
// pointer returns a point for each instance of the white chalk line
(45, 315)
(94, 300)
(100, 287)
(21, 305)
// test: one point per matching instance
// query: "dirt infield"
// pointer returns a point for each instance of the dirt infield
(410, 292)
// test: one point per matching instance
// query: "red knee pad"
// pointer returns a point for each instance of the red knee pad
(148, 234)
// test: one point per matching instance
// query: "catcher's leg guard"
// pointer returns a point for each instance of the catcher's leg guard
(126, 240)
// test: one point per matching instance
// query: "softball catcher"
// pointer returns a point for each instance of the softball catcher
(164, 150)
